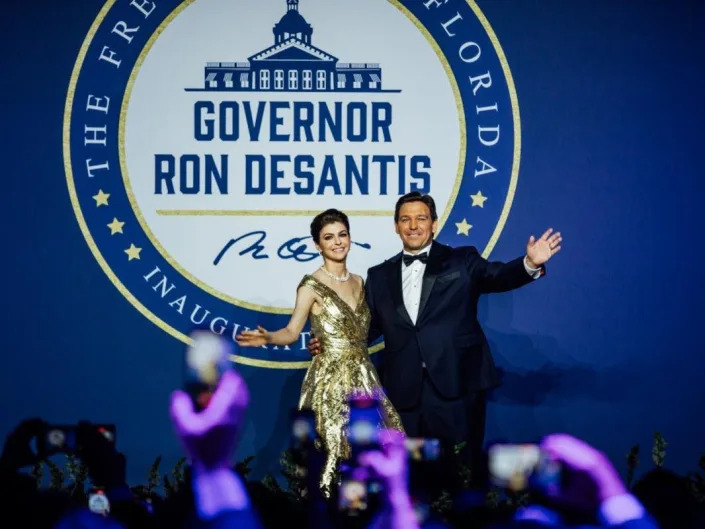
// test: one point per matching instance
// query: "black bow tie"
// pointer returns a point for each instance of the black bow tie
(408, 259)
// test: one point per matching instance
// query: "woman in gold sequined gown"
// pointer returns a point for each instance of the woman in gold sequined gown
(334, 301)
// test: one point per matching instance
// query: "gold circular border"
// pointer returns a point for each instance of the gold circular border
(144, 310)
(145, 226)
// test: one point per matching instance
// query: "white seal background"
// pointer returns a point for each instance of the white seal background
(159, 119)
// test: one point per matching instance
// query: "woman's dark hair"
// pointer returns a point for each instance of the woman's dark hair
(415, 196)
(329, 216)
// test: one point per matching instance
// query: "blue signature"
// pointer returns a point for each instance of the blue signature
(295, 248)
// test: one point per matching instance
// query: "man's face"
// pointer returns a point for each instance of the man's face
(415, 226)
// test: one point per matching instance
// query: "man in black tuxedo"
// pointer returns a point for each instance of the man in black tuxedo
(436, 364)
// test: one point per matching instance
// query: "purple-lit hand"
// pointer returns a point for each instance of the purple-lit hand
(209, 436)
(589, 479)
(390, 466)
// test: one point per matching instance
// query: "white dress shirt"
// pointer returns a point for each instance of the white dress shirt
(412, 280)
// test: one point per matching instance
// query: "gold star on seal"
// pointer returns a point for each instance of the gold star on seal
(478, 199)
(101, 199)
(115, 226)
(463, 227)
(133, 252)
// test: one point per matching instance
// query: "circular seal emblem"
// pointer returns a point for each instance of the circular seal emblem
(202, 136)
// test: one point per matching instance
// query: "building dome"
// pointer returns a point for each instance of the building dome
(292, 24)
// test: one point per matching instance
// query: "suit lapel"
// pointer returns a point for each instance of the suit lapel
(394, 282)
(433, 268)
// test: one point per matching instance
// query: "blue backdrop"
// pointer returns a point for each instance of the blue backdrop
(609, 346)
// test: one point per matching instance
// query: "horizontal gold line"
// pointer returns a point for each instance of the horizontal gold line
(269, 363)
(266, 213)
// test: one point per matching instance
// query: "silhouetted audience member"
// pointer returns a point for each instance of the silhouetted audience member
(669, 500)
(21, 504)
(214, 496)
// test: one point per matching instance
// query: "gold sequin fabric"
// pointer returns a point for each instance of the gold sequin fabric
(342, 368)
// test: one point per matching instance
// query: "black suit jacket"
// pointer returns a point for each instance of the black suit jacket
(447, 336)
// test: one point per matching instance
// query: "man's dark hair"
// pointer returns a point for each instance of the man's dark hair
(329, 216)
(415, 196)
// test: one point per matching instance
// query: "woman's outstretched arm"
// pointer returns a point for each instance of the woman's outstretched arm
(305, 298)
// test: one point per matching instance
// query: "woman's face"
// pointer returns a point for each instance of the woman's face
(334, 242)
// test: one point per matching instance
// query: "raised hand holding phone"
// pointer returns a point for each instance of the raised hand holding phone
(209, 437)
(390, 464)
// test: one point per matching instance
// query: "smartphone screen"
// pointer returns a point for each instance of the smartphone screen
(517, 467)
(511, 465)
(303, 436)
(421, 449)
(364, 425)
(352, 497)
(303, 428)
(205, 361)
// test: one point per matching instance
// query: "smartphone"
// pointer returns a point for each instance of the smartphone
(421, 449)
(303, 427)
(353, 494)
(520, 466)
(303, 435)
(364, 425)
(205, 361)
(57, 438)
(65, 438)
